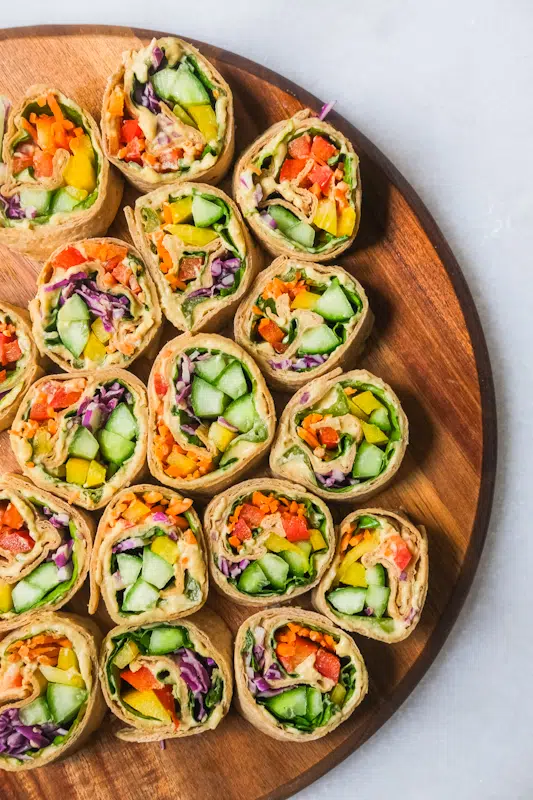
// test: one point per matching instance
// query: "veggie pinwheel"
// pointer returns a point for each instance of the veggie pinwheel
(149, 560)
(50, 697)
(298, 187)
(378, 582)
(211, 414)
(300, 321)
(198, 250)
(343, 436)
(167, 116)
(269, 541)
(96, 306)
(45, 549)
(82, 437)
(58, 186)
(19, 360)
(168, 680)
(298, 676)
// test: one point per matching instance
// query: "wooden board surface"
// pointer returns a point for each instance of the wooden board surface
(427, 343)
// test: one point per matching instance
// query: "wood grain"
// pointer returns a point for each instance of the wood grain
(427, 343)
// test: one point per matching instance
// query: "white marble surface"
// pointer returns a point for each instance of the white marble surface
(444, 88)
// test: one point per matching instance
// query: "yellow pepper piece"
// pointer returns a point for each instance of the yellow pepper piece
(338, 694)
(68, 677)
(6, 603)
(94, 349)
(42, 442)
(136, 511)
(305, 299)
(77, 469)
(316, 539)
(95, 475)
(356, 411)
(367, 402)
(126, 654)
(189, 234)
(183, 464)
(165, 547)
(370, 542)
(80, 171)
(355, 575)
(346, 222)
(373, 434)
(206, 120)
(99, 331)
(67, 659)
(220, 436)
(147, 703)
(277, 544)
(181, 209)
(326, 215)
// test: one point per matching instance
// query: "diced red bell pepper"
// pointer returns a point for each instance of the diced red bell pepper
(242, 531)
(11, 352)
(69, 257)
(16, 541)
(142, 679)
(322, 149)
(122, 273)
(3, 375)
(321, 174)
(295, 528)
(43, 164)
(40, 411)
(328, 664)
(328, 437)
(11, 518)
(161, 386)
(300, 147)
(291, 168)
(22, 161)
(166, 698)
(129, 130)
(252, 515)
(303, 648)
(63, 398)
(134, 150)
(401, 555)
(189, 268)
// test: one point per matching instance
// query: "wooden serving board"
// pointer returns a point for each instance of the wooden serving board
(427, 343)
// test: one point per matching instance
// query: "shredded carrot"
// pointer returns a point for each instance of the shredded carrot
(310, 420)
(189, 537)
(152, 497)
(349, 391)
(235, 542)
(54, 108)
(308, 438)
(345, 541)
(29, 128)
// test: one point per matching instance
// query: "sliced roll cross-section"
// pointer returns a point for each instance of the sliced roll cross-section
(301, 320)
(269, 540)
(298, 676)
(83, 437)
(198, 250)
(96, 306)
(167, 680)
(211, 414)
(57, 186)
(149, 560)
(378, 581)
(299, 188)
(19, 360)
(167, 115)
(50, 697)
(343, 436)
(45, 549)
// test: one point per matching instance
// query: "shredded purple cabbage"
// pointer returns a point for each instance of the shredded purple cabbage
(305, 362)
(223, 270)
(230, 569)
(94, 411)
(335, 479)
(157, 57)
(196, 672)
(17, 740)
(128, 544)
(62, 555)
(12, 207)
(144, 95)
(326, 108)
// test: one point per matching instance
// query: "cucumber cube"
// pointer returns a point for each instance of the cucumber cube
(380, 418)
(75, 308)
(318, 340)
(368, 461)
(210, 368)
(122, 421)
(129, 567)
(25, 595)
(306, 546)
(276, 569)
(348, 600)
(375, 576)
(232, 381)
(180, 85)
(156, 570)
(289, 704)
(83, 444)
(115, 448)
(64, 701)
(35, 198)
(334, 304)
(74, 335)
(303, 233)
(36, 713)
(140, 597)
(241, 413)
(283, 218)
(377, 598)
(205, 212)
(252, 579)
(207, 401)
(314, 703)
(166, 640)
(44, 577)
(298, 562)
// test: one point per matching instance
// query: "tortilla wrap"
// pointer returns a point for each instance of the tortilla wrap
(20, 374)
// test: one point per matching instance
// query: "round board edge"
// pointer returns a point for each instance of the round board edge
(481, 356)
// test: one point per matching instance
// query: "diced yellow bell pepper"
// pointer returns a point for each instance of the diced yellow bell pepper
(95, 474)
(316, 539)
(181, 209)
(180, 112)
(42, 442)
(146, 703)
(67, 659)
(220, 436)
(205, 118)
(338, 694)
(165, 547)
(77, 469)
(136, 511)
(369, 542)
(99, 331)
(326, 215)
(346, 222)
(189, 234)
(366, 402)
(182, 464)
(80, 171)
(277, 544)
(68, 677)
(94, 349)
(305, 299)
(6, 603)
(355, 575)
(356, 411)
(126, 654)
(373, 434)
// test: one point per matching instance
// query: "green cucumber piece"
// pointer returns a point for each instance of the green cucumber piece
(275, 568)
(25, 595)
(318, 340)
(36, 713)
(385, 623)
(314, 703)
(180, 113)
(210, 368)
(75, 308)
(283, 218)
(156, 570)
(122, 421)
(241, 413)
(380, 418)
(298, 562)
(64, 701)
(205, 212)
(66, 199)
(207, 401)
(140, 597)
(83, 444)
(368, 461)
(377, 598)
(348, 599)
(306, 546)
(129, 567)
(376, 575)
(35, 198)
(232, 381)
(165, 640)
(181, 86)
(334, 304)
(44, 577)
(115, 448)
(289, 704)
(302, 233)
(73, 324)
(252, 579)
